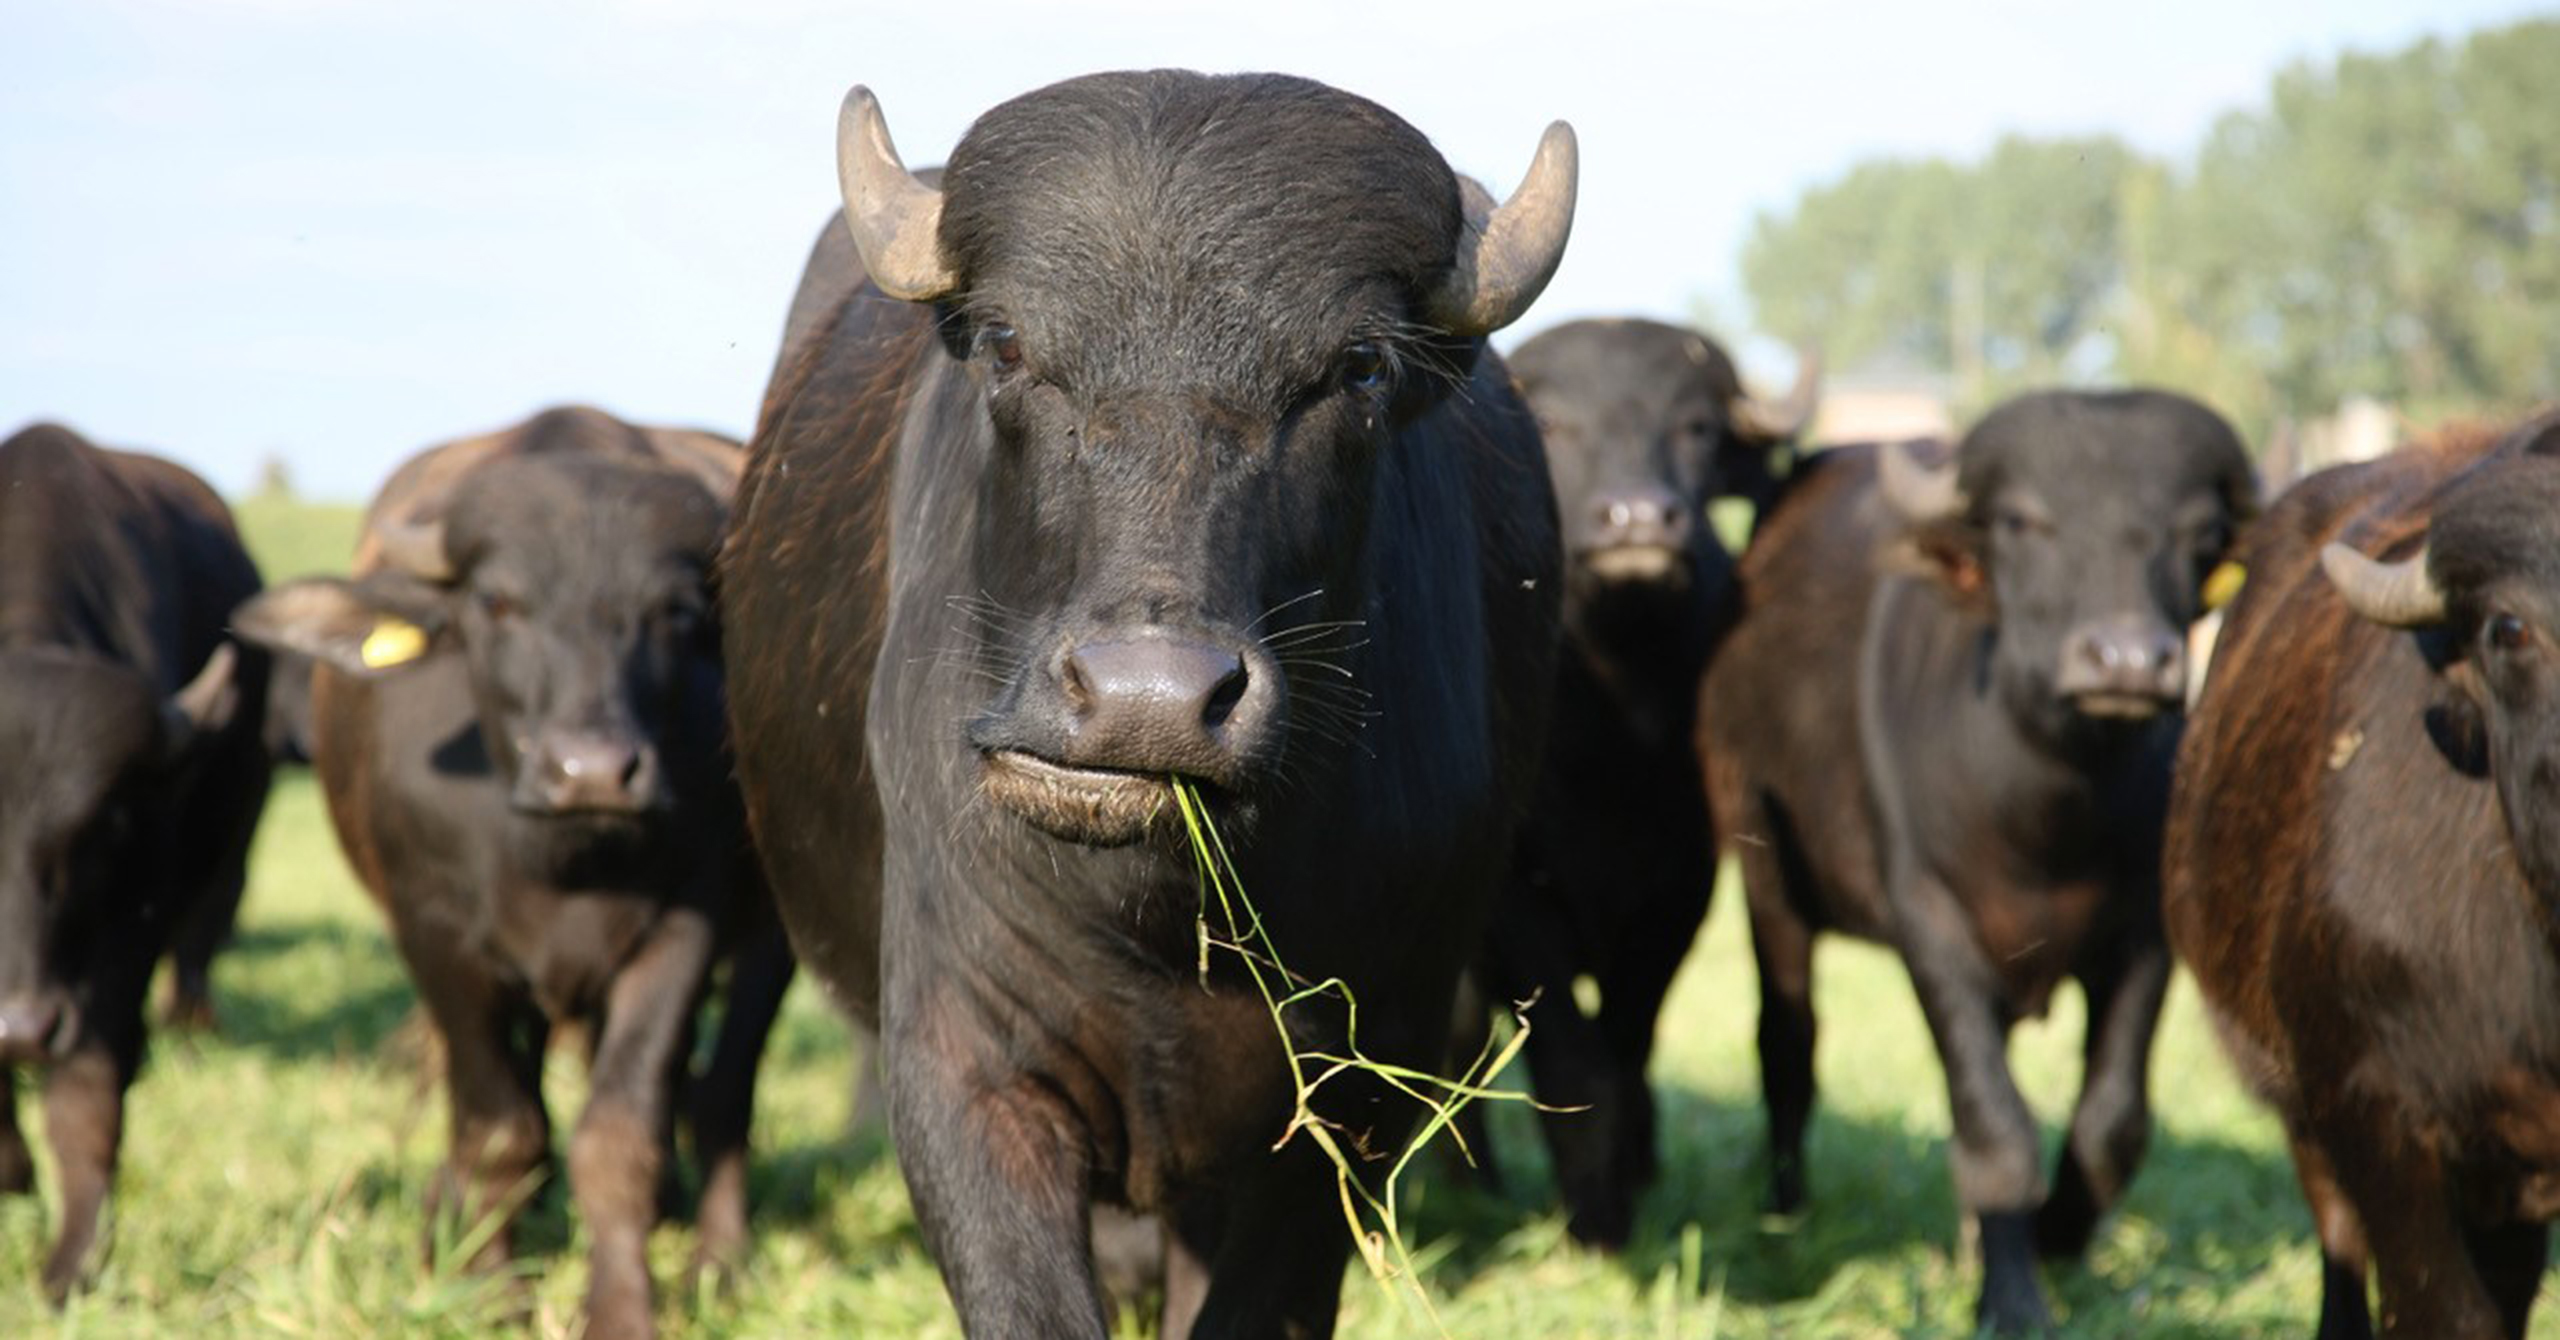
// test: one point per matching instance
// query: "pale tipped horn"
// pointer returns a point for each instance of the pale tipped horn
(1789, 417)
(1918, 490)
(2398, 595)
(1506, 254)
(205, 703)
(414, 547)
(896, 220)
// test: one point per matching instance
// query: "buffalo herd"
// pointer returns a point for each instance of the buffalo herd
(1146, 466)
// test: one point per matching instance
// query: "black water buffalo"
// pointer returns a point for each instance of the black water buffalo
(1183, 458)
(131, 777)
(2363, 863)
(1944, 721)
(1644, 424)
(517, 718)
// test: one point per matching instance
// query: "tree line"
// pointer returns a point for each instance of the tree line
(2384, 225)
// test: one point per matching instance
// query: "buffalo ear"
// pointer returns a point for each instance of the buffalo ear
(370, 627)
(1949, 553)
(2454, 726)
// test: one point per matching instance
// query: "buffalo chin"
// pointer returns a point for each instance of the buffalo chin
(1638, 563)
(2119, 706)
(1093, 807)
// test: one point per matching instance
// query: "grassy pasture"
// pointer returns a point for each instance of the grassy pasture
(274, 1176)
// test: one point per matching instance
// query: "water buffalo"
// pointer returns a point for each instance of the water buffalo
(1944, 721)
(517, 719)
(2362, 865)
(133, 779)
(1644, 424)
(1159, 441)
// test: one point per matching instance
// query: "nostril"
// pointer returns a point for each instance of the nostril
(1224, 697)
(1076, 683)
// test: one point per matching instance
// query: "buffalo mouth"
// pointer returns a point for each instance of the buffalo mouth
(1636, 563)
(1096, 807)
(2120, 706)
(34, 1036)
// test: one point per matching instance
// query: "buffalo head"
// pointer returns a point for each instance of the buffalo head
(2484, 584)
(2087, 524)
(1645, 424)
(98, 761)
(1188, 319)
(572, 586)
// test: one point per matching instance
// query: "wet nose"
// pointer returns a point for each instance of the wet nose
(2125, 657)
(26, 1027)
(1642, 515)
(1153, 704)
(588, 770)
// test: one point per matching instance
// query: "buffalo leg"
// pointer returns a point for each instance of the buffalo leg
(1782, 947)
(972, 1136)
(2429, 1284)
(222, 828)
(17, 1166)
(619, 1148)
(2111, 1124)
(1278, 1271)
(1999, 1180)
(1631, 996)
(1191, 1238)
(1470, 1033)
(203, 931)
(1569, 1060)
(84, 1122)
(501, 1137)
(2345, 1259)
(2510, 1258)
(724, 1101)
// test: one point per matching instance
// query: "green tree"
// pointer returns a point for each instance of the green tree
(2388, 225)
(2385, 225)
(2002, 270)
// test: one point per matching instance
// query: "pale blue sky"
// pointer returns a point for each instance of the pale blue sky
(339, 230)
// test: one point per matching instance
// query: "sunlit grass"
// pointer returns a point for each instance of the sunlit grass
(274, 1177)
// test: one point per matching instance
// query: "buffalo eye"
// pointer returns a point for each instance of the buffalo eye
(1367, 368)
(2015, 524)
(2506, 632)
(1002, 344)
(682, 620)
(497, 608)
(1702, 430)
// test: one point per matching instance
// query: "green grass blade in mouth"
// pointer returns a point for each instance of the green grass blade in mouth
(1371, 1216)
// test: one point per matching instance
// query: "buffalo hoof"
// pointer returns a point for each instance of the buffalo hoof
(2012, 1302)
(17, 1168)
(190, 1014)
(1603, 1222)
(69, 1267)
(1786, 1191)
(715, 1271)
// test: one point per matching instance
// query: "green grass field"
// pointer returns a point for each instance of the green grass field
(273, 1177)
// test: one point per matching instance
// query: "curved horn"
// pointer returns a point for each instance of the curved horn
(1918, 490)
(1786, 418)
(1507, 254)
(896, 220)
(2398, 595)
(204, 704)
(414, 547)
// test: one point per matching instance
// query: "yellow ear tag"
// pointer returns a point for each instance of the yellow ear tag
(2224, 584)
(392, 642)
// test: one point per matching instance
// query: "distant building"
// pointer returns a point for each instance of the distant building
(1883, 402)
